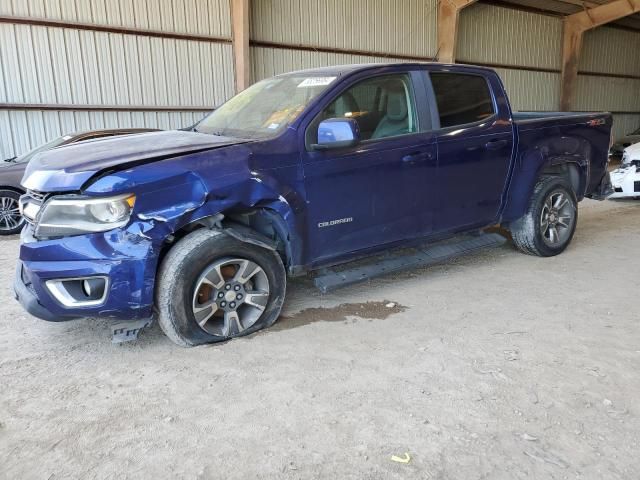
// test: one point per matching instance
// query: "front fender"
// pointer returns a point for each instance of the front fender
(167, 205)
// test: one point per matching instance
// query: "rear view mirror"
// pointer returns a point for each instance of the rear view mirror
(337, 133)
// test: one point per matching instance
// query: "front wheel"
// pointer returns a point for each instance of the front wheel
(547, 227)
(212, 287)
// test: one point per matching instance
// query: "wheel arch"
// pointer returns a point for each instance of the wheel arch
(12, 189)
(574, 169)
(260, 226)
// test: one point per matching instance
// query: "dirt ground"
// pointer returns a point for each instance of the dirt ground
(494, 366)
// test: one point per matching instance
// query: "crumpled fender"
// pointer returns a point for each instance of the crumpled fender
(170, 197)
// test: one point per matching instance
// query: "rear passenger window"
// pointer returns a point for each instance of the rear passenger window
(461, 98)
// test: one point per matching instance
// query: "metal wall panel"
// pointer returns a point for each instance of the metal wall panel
(57, 65)
(267, 62)
(607, 93)
(611, 50)
(490, 34)
(407, 26)
(200, 17)
(624, 124)
(21, 130)
(531, 91)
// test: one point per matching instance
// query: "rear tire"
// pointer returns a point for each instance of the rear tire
(547, 228)
(212, 287)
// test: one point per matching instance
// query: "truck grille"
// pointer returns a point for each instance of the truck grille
(30, 204)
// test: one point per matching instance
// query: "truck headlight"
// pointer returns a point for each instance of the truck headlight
(62, 216)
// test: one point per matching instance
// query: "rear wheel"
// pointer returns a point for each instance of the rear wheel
(548, 226)
(212, 287)
(11, 222)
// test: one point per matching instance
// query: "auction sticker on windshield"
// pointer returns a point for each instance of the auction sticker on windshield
(316, 81)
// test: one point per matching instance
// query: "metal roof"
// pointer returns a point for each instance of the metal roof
(566, 7)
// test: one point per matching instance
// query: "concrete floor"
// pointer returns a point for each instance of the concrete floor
(498, 366)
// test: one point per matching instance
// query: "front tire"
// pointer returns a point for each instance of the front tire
(212, 287)
(547, 228)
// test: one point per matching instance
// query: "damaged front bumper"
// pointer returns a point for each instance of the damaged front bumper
(50, 275)
(626, 181)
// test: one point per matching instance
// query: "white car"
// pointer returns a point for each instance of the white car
(626, 179)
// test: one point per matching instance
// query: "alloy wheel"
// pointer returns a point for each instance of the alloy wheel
(10, 218)
(557, 218)
(230, 296)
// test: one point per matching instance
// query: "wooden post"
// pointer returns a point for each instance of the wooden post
(241, 52)
(572, 36)
(448, 16)
(573, 32)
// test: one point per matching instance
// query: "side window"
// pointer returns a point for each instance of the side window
(461, 98)
(382, 106)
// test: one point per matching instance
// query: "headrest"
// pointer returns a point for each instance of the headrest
(396, 102)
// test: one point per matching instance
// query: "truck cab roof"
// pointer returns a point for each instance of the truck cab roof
(339, 70)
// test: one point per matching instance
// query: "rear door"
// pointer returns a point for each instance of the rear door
(378, 191)
(475, 144)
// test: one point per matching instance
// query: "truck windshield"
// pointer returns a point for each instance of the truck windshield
(266, 108)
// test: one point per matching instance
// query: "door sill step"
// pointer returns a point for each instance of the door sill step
(406, 259)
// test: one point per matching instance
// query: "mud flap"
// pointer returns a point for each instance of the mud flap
(603, 190)
(128, 331)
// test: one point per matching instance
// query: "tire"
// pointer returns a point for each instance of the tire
(11, 222)
(554, 204)
(207, 257)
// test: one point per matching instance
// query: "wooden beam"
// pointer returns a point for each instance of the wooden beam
(573, 33)
(448, 16)
(241, 53)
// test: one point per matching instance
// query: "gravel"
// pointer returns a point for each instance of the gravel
(497, 365)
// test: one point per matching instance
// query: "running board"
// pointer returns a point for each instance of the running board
(408, 259)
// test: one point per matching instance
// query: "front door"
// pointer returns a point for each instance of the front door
(378, 191)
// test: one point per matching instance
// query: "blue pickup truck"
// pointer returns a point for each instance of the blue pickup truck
(298, 172)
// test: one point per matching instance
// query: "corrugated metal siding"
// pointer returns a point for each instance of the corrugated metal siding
(625, 124)
(611, 50)
(531, 91)
(407, 27)
(490, 34)
(607, 93)
(503, 36)
(267, 62)
(52, 65)
(21, 130)
(202, 17)
(57, 65)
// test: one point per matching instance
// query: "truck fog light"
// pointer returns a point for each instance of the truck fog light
(93, 287)
(79, 292)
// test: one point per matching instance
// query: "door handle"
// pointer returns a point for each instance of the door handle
(495, 144)
(417, 156)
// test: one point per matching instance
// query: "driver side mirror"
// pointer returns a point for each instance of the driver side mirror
(337, 133)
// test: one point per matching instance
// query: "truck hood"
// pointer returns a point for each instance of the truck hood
(69, 168)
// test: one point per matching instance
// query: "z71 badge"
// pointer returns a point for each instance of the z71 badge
(331, 223)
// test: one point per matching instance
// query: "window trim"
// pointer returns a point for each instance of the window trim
(409, 74)
(436, 110)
